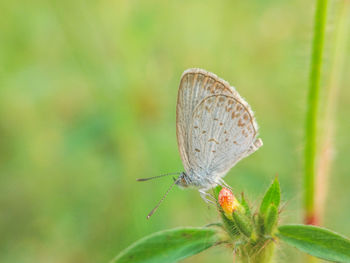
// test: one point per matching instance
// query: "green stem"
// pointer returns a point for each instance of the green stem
(260, 253)
(312, 111)
(339, 45)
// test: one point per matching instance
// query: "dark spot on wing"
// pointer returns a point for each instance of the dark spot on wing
(241, 123)
(213, 140)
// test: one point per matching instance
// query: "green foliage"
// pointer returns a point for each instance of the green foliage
(245, 204)
(169, 246)
(316, 241)
(251, 243)
(250, 235)
(272, 196)
(243, 223)
(270, 219)
(230, 226)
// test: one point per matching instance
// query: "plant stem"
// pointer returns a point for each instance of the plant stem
(312, 111)
(261, 253)
(327, 148)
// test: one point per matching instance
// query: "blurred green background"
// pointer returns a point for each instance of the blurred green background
(87, 105)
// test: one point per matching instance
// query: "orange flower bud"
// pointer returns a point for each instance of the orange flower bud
(228, 202)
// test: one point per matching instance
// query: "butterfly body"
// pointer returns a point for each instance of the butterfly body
(215, 129)
(199, 181)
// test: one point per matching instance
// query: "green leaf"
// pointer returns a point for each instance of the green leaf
(230, 226)
(245, 204)
(243, 223)
(169, 245)
(270, 219)
(272, 196)
(316, 241)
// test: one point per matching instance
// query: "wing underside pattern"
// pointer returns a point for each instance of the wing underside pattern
(221, 134)
(215, 126)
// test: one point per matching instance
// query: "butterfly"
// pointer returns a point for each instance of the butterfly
(215, 129)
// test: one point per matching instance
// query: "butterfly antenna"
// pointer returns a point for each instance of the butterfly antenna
(161, 200)
(154, 177)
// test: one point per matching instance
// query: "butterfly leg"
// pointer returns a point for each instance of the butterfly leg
(222, 183)
(205, 196)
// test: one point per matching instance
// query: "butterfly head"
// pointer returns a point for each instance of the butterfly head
(182, 181)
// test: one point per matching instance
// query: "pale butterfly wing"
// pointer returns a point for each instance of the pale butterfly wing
(223, 131)
(207, 147)
(195, 85)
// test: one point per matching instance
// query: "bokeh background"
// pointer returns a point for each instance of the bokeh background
(87, 105)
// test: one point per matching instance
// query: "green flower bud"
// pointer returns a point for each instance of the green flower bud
(243, 223)
(270, 219)
(245, 204)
